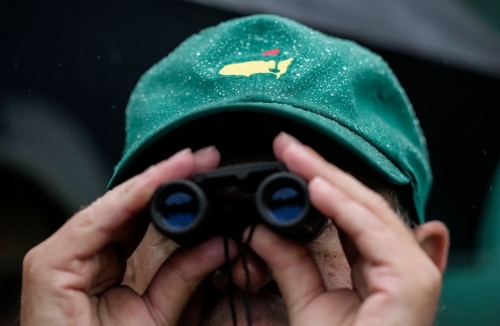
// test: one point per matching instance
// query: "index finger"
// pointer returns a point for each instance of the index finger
(359, 211)
(111, 218)
(374, 239)
(309, 164)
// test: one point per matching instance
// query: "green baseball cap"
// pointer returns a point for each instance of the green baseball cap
(274, 66)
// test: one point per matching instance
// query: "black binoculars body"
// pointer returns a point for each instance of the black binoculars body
(190, 211)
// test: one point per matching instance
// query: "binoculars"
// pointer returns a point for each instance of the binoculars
(191, 211)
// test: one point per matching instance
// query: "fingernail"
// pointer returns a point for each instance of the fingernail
(151, 168)
(246, 234)
(289, 137)
(319, 182)
(182, 153)
(205, 150)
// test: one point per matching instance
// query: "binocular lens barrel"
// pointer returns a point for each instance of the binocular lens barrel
(283, 203)
(179, 209)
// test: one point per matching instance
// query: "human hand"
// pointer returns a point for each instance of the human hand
(73, 277)
(396, 272)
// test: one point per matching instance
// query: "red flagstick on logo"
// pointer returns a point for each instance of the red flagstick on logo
(271, 52)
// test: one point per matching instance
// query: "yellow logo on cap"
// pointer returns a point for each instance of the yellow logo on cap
(249, 68)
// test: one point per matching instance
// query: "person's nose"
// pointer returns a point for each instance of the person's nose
(258, 273)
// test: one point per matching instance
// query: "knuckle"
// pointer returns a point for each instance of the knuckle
(31, 262)
(124, 189)
(133, 193)
(84, 219)
(87, 217)
(176, 269)
(380, 201)
(29, 258)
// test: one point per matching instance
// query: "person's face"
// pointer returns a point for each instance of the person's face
(210, 302)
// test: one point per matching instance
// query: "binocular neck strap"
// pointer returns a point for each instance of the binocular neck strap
(246, 293)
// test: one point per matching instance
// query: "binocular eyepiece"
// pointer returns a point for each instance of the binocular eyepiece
(188, 213)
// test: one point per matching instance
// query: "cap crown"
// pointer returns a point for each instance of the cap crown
(274, 65)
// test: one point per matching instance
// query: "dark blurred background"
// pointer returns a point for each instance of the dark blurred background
(68, 67)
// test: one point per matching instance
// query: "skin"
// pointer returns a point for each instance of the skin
(367, 267)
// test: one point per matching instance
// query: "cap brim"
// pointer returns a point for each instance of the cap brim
(330, 128)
